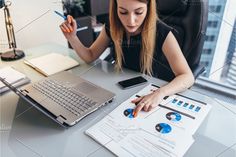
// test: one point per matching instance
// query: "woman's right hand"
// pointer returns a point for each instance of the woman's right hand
(69, 27)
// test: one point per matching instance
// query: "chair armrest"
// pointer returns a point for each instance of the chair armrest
(198, 70)
(109, 58)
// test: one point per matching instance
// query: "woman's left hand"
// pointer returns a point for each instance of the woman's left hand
(147, 102)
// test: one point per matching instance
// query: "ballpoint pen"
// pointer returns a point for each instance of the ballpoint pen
(63, 16)
(81, 28)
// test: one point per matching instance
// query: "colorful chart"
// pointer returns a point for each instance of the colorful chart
(129, 113)
(163, 128)
(173, 116)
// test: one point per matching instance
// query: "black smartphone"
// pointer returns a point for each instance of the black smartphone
(132, 82)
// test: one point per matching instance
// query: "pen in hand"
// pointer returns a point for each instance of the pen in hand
(63, 16)
(135, 113)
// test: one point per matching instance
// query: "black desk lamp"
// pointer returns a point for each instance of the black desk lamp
(14, 54)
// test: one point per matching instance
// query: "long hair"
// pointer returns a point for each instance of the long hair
(148, 35)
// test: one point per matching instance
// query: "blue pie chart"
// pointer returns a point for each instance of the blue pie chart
(129, 113)
(163, 128)
(173, 116)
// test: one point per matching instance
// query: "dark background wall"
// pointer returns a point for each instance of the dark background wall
(94, 10)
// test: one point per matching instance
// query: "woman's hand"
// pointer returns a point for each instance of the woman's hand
(148, 102)
(69, 27)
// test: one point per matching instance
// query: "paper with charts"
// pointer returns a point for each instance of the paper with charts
(166, 131)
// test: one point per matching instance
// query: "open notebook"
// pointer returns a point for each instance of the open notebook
(51, 63)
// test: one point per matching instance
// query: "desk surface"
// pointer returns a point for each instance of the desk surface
(27, 132)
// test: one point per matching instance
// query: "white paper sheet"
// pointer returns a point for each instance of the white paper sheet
(165, 131)
(11, 75)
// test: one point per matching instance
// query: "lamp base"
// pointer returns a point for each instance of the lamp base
(12, 56)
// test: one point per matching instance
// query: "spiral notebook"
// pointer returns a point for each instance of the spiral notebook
(51, 63)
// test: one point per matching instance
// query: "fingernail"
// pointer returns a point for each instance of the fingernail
(70, 19)
(133, 101)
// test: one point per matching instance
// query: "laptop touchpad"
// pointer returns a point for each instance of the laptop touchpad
(86, 88)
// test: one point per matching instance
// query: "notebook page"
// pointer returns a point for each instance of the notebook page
(52, 63)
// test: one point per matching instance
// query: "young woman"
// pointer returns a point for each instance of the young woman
(138, 37)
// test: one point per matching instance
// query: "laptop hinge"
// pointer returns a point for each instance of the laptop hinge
(24, 92)
(60, 119)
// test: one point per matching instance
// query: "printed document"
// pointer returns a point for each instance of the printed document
(165, 131)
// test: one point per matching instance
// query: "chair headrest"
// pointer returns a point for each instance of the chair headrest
(176, 7)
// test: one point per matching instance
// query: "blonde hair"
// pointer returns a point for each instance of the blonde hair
(148, 35)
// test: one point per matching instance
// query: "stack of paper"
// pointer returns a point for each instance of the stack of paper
(51, 63)
(165, 131)
(13, 77)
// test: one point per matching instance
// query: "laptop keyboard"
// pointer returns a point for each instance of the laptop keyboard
(74, 102)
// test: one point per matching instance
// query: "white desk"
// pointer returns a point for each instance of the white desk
(27, 132)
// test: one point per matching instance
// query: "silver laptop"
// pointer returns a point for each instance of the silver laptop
(64, 97)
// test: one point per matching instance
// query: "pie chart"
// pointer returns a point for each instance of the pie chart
(163, 128)
(173, 116)
(129, 113)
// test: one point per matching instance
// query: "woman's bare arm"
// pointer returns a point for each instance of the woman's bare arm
(87, 54)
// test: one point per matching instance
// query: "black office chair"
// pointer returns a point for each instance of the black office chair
(189, 20)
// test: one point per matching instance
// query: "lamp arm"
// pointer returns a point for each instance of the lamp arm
(15, 54)
(9, 28)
